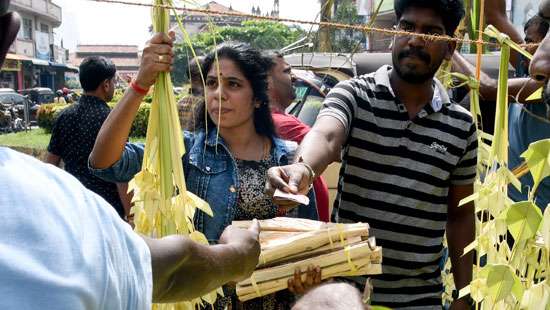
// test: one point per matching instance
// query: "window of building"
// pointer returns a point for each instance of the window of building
(27, 29)
(45, 28)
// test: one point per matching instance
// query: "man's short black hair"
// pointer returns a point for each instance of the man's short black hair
(539, 22)
(194, 69)
(451, 11)
(271, 56)
(94, 70)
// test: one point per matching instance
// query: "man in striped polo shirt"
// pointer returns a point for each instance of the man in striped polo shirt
(409, 157)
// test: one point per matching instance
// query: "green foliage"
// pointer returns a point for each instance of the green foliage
(259, 34)
(181, 64)
(139, 126)
(512, 275)
(346, 40)
(47, 113)
(263, 35)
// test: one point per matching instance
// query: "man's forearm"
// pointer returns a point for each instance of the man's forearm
(183, 269)
(487, 85)
(495, 14)
(460, 233)
(52, 159)
(114, 133)
(320, 146)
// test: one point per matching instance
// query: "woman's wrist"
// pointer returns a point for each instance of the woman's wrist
(138, 88)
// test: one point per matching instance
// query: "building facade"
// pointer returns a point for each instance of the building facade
(196, 22)
(125, 57)
(33, 59)
(519, 12)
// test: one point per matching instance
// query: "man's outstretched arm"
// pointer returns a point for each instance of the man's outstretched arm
(518, 88)
(184, 269)
(495, 14)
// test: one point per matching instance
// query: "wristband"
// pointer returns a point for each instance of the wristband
(138, 89)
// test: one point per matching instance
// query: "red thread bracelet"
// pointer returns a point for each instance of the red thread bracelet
(138, 89)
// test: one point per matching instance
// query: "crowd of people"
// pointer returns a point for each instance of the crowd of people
(408, 154)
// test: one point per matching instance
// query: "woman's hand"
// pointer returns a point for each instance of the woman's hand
(158, 56)
(313, 278)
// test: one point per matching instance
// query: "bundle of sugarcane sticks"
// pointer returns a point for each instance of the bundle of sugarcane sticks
(288, 243)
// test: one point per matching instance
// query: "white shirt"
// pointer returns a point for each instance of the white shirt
(62, 246)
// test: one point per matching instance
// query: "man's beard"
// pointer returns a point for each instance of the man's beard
(413, 76)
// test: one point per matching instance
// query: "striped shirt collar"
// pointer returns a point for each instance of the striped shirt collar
(382, 78)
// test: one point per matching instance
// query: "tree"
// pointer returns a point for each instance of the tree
(263, 35)
(259, 34)
(346, 40)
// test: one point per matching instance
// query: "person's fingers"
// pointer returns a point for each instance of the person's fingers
(161, 67)
(161, 49)
(309, 277)
(255, 228)
(151, 57)
(161, 38)
(291, 286)
(269, 189)
(318, 275)
(275, 180)
(298, 287)
(172, 35)
(294, 180)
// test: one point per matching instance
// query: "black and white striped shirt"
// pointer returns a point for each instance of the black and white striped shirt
(396, 175)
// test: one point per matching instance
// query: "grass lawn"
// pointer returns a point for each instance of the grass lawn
(34, 139)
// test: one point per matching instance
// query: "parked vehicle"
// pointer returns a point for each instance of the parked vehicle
(321, 71)
(16, 104)
(7, 90)
(39, 95)
(9, 119)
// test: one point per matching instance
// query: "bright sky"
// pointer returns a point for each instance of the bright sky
(87, 22)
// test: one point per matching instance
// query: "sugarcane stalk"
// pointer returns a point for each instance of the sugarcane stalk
(364, 267)
(311, 240)
(338, 245)
(362, 249)
(285, 224)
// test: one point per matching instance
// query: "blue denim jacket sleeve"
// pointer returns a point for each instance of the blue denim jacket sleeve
(125, 168)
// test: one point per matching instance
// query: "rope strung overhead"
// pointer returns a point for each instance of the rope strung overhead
(362, 28)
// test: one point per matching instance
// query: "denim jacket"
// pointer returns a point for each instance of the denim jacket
(210, 173)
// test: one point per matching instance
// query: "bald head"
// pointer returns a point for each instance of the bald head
(332, 296)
